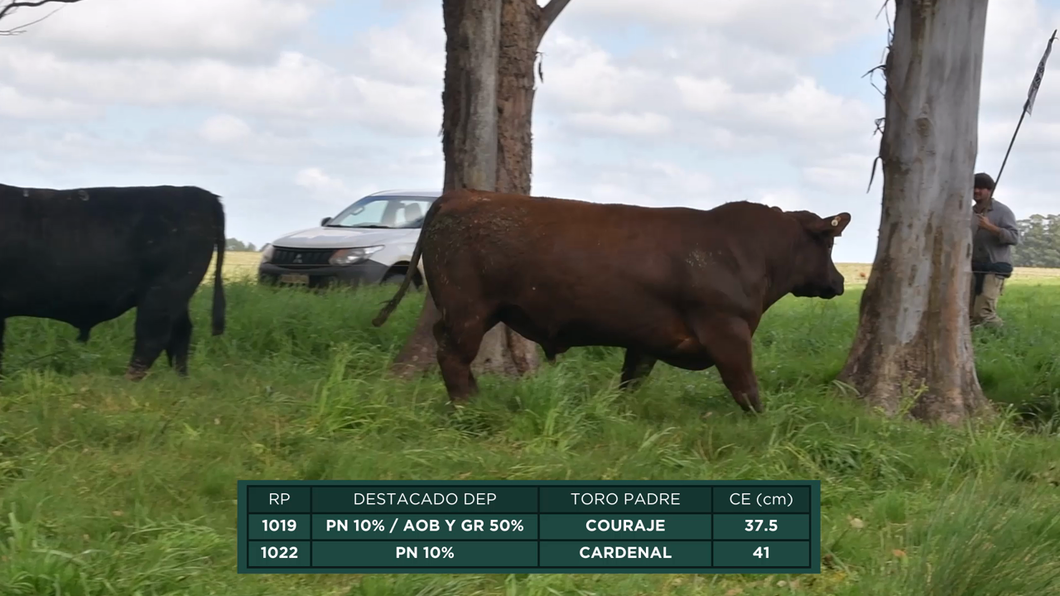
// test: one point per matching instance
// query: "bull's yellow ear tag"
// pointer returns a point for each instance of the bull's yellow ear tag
(835, 222)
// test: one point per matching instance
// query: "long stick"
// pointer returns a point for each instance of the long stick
(1027, 105)
(1010, 143)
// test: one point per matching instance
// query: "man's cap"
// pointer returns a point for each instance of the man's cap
(983, 180)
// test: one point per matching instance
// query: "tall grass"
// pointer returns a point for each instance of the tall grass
(108, 487)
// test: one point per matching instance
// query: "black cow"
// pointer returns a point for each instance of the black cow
(85, 256)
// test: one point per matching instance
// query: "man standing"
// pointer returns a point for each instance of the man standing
(994, 232)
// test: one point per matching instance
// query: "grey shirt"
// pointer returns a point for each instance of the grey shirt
(990, 248)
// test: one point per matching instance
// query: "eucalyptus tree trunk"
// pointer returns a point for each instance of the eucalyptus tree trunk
(913, 347)
(491, 48)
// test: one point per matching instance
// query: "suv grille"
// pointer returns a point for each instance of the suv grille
(301, 256)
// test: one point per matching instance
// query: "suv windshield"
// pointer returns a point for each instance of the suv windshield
(383, 212)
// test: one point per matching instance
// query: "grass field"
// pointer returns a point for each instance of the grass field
(113, 488)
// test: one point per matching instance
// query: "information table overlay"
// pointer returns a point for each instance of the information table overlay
(526, 526)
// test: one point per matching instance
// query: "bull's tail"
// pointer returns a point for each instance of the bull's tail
(218, 316)
(392, 304)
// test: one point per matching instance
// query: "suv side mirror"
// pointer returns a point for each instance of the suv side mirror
(325, 221)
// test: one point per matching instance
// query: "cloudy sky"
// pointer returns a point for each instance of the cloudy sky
(292, 109)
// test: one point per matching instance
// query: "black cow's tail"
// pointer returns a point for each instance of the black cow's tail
(392, 304)
(218, 317)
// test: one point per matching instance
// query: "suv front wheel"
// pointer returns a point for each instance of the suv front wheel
(398, 277)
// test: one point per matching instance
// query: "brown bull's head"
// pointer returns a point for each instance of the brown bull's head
(814, 273)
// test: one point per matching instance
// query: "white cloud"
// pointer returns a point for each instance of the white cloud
(582, 76)
(628, 98)
(1016, 35)
(332, 190)
(667, 185)
(16, 104)
(806, 26)
(117, 29)
(411, 54)
(315, 179)
(625, 124)
(706, 53)
(1026, 199)
(787, 199)
(805, 110)
(224, 128)
(294, 85)
(650, 182)
(848, 173)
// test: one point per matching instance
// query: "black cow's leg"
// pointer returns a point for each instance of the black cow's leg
(456, 352)
(728, 341)
(153, 329)
(550, 353)
(179, 343)
(635, 369)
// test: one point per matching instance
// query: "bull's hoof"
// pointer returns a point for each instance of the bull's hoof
(455, 409)
(135, 375)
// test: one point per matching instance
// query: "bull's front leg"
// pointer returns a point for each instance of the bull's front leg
(728, 340)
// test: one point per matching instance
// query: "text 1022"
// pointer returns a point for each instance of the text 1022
(279, 552)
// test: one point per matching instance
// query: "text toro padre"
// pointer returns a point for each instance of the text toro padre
(628, 498)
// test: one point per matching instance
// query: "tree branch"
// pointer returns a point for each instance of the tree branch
(549, 13)
(10, 8)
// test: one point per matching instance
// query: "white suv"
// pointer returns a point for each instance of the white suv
(369, 242)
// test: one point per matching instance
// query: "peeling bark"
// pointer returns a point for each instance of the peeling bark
(502, 144)
(520, 34)
(913, 347)
(469, 137)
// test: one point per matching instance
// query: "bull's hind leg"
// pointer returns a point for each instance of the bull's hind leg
(456, 351)
(635, 369)
(179, 343)
(153, 330)
(154, 326)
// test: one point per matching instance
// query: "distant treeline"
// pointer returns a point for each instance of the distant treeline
(238, 245)
(1039, 242)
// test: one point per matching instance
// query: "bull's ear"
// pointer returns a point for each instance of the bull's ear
(832, 226)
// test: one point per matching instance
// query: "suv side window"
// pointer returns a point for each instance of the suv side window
(411, 212)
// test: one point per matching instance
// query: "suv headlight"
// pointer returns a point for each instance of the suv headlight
(266, 254)
(350, 256)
